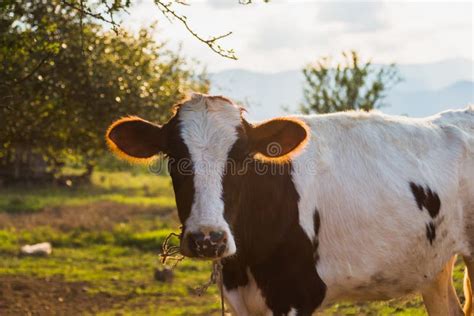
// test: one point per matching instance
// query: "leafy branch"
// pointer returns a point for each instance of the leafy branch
(30, 73)
(166, 9)
(84, 10)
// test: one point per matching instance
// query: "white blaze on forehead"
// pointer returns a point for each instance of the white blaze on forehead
(209, 129)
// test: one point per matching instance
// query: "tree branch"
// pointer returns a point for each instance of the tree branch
(30, 74)
(86, 11)
(166, 9)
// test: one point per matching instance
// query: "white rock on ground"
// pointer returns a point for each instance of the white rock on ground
(41, 249)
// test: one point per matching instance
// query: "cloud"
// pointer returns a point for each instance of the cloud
(286, 34)
(274, 36)
(285, 26)
(353, 16)
(223, 4)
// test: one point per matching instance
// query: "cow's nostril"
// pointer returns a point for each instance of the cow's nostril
(207, 244)
(216, 236)
(198, 237)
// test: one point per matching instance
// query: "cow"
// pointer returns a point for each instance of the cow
(305, 211)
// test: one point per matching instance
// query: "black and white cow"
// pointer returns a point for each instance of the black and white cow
(304, 211)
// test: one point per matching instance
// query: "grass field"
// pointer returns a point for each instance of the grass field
(106, 237)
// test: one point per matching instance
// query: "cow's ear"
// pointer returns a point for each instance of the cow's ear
(135, 139)
(278, 138)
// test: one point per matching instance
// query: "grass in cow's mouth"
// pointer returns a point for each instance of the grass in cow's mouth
(170, 253)
(106, 239)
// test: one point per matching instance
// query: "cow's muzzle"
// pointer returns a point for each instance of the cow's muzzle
(208, 244)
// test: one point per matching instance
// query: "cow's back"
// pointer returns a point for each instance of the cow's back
(464, 121)
(374, 181)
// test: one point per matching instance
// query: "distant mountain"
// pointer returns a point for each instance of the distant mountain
(435, 75)
(426, 102)
(425, 90)
(264, 95)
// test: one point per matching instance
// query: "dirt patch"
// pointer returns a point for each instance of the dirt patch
(22, 295)
(99, 215)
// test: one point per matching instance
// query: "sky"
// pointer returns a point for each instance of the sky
(287, 35)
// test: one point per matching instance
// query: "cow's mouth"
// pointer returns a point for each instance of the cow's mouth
(206, 250)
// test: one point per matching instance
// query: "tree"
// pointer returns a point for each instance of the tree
(63, 80)
(350, 85)
(107, 11)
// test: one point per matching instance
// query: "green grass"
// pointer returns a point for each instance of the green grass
(120, 187)
(118, 258)
(122, 235)
(110, 269)
(118, 261)
(122, 272)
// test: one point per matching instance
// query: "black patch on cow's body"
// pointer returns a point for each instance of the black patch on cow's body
(426, 198)
(429, 200)
(430, 232)
(316, 224)
(262, 208)
(419, 194)
(432, 203)
(234, 273)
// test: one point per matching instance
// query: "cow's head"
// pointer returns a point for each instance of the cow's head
(198, 141)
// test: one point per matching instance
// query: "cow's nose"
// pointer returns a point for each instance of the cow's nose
(210, 244)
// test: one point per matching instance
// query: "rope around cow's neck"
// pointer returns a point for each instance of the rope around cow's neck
(172, 253)
(221, 286)
(215, 278)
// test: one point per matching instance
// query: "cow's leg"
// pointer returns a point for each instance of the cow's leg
(440, 297)
(468, 276)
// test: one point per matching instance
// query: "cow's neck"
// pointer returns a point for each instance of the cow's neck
(264, 202)
(271, 245)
